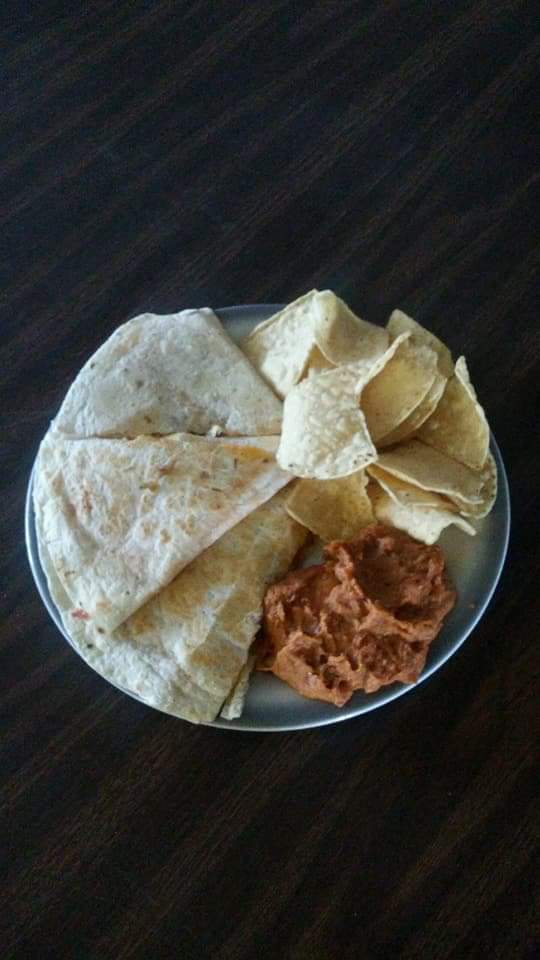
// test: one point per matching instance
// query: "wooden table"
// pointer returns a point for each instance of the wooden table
(161, 155)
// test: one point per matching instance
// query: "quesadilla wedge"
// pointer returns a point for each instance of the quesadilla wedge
(121, 518)
(168, 374)
(186, 650)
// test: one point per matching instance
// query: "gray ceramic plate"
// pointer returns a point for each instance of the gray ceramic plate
(474, 563)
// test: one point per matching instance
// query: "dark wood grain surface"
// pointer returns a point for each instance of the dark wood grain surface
(162, 155)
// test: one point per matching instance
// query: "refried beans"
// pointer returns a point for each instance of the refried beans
(362, 619)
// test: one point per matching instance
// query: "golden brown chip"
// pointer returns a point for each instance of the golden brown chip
(488, 492)
(423, 523)
(405, 493)
(458, 427)
(429, 469)
(418, 416)
(395, 392)
(332, 509)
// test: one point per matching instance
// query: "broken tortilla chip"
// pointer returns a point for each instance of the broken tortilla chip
(317, 331)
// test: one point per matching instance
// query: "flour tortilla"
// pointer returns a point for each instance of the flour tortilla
(121, 518)
(186, 650)
(234, 704)
(458, 426)
(168, 374)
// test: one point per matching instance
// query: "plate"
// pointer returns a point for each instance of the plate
(474, 564)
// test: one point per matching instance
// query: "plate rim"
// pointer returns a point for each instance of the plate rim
(394, 691)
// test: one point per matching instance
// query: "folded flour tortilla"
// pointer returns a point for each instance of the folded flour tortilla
(169, 374)
(186, 650)
(121, 518)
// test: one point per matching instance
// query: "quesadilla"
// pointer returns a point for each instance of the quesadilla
(186, 651)
(121, 518)
(169, 374)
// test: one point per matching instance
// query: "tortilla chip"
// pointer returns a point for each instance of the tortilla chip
(332, 509)
(488, 492)
(407, 494)
(280, 347)
(421, 522)
(317, 331)
(399, 322)
(458, 427)
(395, 392)
(166, 374)
(418, 416)
(341, 336)
(324, 433)
(121, 518)
(429, 469)
(184, 651)
(317, 362)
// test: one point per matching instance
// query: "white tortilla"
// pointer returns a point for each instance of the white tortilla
(121, 518)
(168, 374)
(234, 704)
(186, 650)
